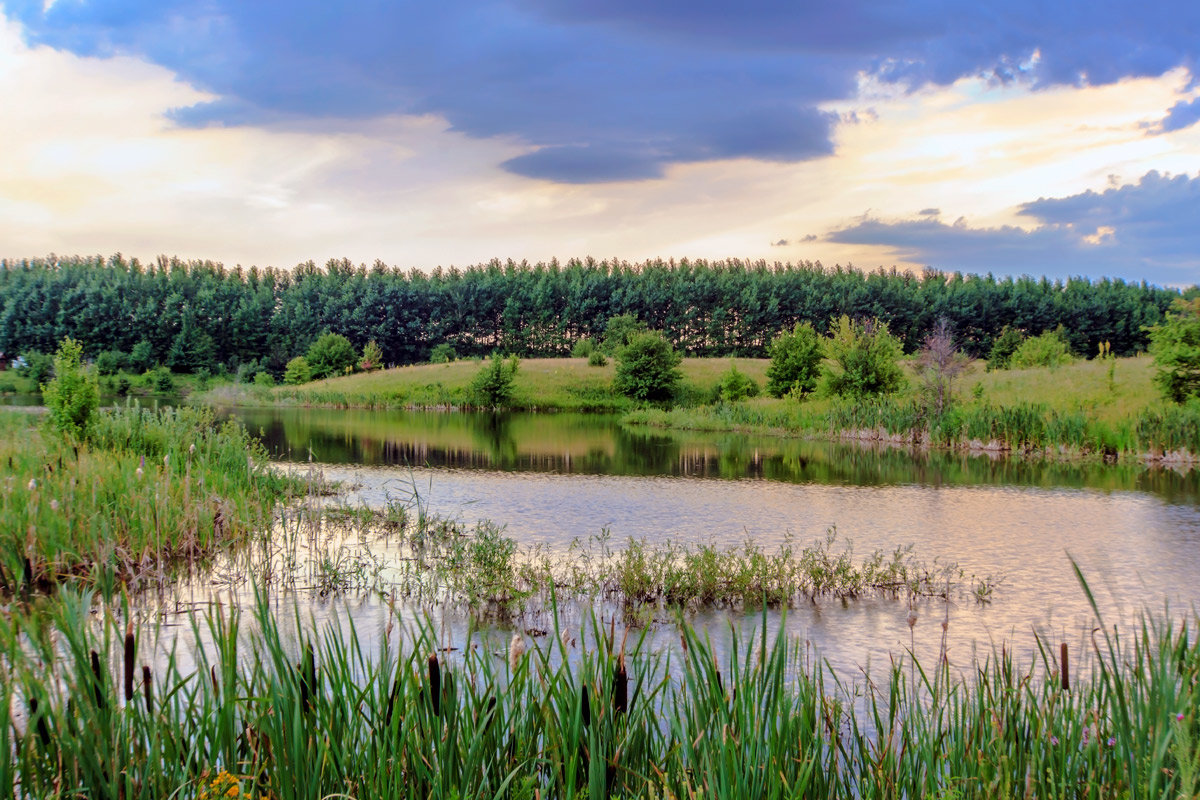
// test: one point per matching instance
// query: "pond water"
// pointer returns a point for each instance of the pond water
(552, 479)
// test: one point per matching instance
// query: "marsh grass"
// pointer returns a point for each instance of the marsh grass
(146, 490)
(325, 713)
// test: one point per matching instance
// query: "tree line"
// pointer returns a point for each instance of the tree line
(198, 315)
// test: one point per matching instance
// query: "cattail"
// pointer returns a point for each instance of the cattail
(912, 617)
(585, 706)
(308, 677)
(148, 688)
(435, 684)
(516, 649)
(43, 731)
(1066, 670)
(129, 653)
(28, 576)
(99, 686)
(490, 712)
(33, 484)
(620, 690)
(192, 449)
(391, 703)
(54, 505)
(167, 460)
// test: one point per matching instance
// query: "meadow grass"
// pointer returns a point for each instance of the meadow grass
(146, 489)
(591, 713)
(563, 384)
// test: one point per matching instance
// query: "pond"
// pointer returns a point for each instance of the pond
(553, 479)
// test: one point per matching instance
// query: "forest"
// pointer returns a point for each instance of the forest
(194, 316)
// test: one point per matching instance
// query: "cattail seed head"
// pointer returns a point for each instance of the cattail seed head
(33, 484)
(620, 688)
(148, 688)
(912, 617)
(516, 649)
(129, 655)
(435, 684)
(98, 674)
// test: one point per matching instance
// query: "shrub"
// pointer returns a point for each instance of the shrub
(596, 359)
(264, 379)
(331, 354)
(647, 368)
(583, 348)
(1175, 346)
(72, 396)
(795, 362)
(372, 357)
(493, 385)
(110, 362)
(619, 331)
(37, 367)
(160, 380)
(141, 357)
(736, 385)
(1047, 350)
(297, 371)
(442, 354)
(865, 359)
(1003, 348)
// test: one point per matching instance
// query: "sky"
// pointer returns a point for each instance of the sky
(1020, 137)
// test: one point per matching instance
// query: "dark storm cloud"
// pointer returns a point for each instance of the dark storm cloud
(634, 86)
(1145, 230)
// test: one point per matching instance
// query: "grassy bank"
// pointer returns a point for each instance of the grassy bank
(1075, 409)
(591, 713)
(563, 384)
(146, 489)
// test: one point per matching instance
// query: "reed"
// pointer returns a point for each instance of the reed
(147, 489)
(763, 720)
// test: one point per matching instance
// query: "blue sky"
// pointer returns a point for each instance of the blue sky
(1050, 138)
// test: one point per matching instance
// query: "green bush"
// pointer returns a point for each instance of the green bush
(38, 367)
(159, 380)
(72, 396)
(619, 331)
(493, 385)
(583, 348)
(110, 362)
(1050, 349)
(297, 371)
(865, 359)
(795, 362)
(647, 368)
(442, 354)
(331, 355)
(141, 357)
(1175, 346)
(1003, 348)
(264, 379)
(372, 357)
(596, 359)
(736, 385)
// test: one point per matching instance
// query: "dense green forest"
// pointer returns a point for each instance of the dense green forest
(195, 316)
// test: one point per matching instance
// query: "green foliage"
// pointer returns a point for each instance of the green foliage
(647, 368)
(1003, 348)
(795, 362)
(619, 331)
(1175, 346)
(442, 354)
(110, 362)
(159, 380)
(330, 355)
(264, 379)
(583, 348)
(297, 371)
(493, 385)
(1050, 349)
(865, 359)
(39, 367)
(596, 358)
(72, 396)
(736, 385)
(141, 357)
(372, 357)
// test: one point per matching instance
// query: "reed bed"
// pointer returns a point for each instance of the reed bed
(265, 713)
(148, 488)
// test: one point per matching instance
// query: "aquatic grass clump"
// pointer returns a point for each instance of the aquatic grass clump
(146, 488)
(1171, 432)
(281, 709)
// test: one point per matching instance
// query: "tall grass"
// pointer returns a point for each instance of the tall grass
(601, 715)
(147, 488)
